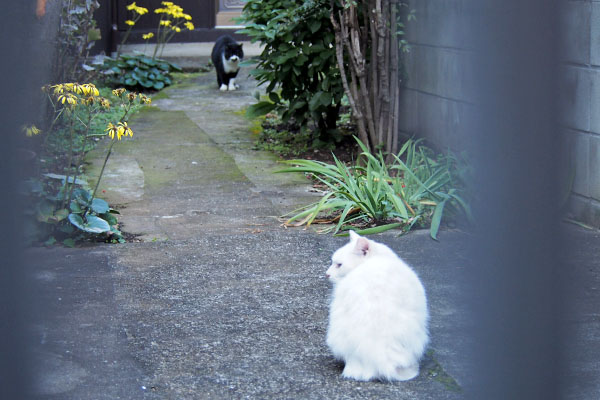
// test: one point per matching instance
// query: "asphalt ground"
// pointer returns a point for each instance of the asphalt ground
(220, 301)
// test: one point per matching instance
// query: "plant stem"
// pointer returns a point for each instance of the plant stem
(69, 162)
(99, 177)
(80, 160)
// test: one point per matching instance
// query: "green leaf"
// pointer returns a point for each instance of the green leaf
(274, 97)
(148, 61)
(319, 99)
(314, 26)
(93, 225)
(175, 67)
(100, 206)
(158, 85)
(259, 109)
(61, 214)
(436, 219)
(69, 242)
(376, 229)
(110, 218)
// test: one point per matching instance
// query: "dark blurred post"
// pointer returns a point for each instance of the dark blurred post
(515, 139)
(18, 74)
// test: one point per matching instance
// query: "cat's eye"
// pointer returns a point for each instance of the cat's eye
(338, 265)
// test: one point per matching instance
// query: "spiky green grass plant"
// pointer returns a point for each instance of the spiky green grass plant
(416, 188)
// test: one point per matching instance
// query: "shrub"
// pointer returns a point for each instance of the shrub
(298, 61)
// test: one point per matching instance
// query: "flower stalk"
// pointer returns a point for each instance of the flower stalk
(137, 14)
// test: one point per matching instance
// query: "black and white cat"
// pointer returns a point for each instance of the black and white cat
(378, 314)
(226, 57)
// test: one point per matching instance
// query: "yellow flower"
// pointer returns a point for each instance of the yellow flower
(119, 92)
(67, 98)
(111, 130)
(165, 23)
(104, 103)
(88, 89)
(167, 3)
(189, 25)
(140, 10)
(176, 29)
(188, 17)
(148, 35)
(31, 130)
(120, 130)
(145, 99)
(131, 96)
(130, 22)
(71, 87)
(131, 6)
(160, 10)
(58, 89)
(61, 88)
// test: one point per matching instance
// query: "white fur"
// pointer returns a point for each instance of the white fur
(378, 314)
(232, 85)
(231, 65)
(223, 87)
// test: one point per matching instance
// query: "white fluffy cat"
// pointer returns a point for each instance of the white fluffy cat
(378, 315)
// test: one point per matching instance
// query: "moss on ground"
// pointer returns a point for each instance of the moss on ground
(170, 148)
(436, 372)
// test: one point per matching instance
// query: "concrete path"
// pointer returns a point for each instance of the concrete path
(220, 301)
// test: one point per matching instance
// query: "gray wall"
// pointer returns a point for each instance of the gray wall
(438, 93)
(580, 117)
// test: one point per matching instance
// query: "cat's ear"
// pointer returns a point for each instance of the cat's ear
(353, 235)
(362, 246)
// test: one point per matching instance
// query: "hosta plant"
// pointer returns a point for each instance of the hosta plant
(140, 72)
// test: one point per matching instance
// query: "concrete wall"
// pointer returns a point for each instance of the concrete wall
(439, 92)
(580, 117)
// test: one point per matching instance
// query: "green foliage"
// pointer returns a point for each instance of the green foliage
(61, 205)
(77, 33)
(51, 220)
(298, 61)
(417, 188)
(139, 72)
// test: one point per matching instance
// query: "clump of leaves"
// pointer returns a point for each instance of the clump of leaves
(418, 188)
(85, 218)
(139, 72)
